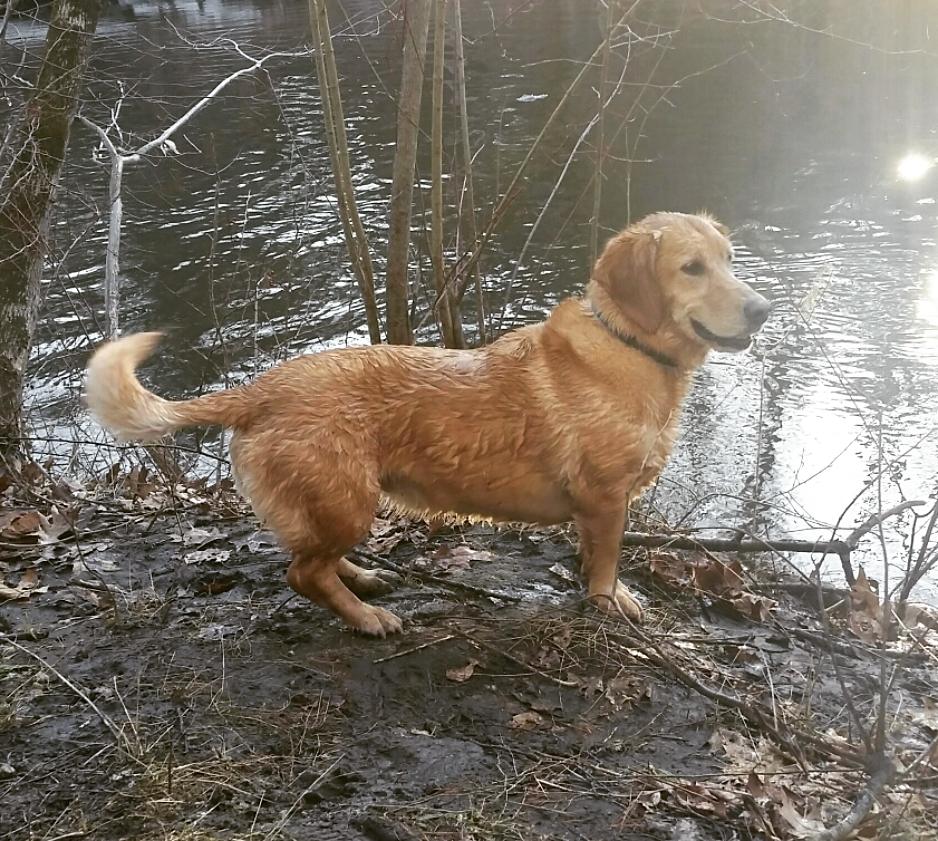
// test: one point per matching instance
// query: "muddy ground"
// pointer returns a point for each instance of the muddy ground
(157, 681)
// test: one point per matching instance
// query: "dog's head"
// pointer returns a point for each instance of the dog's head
(674, 270)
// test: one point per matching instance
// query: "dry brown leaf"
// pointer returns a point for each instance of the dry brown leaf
(527, 720)
(716, 577)
(27, 586)
(459, 557)
(863, 599)
(18, 525)
(723, 581)
(673, 571)
(749, 606)
(801, 826)
(53, 527)
(462, 673)
(385, 535)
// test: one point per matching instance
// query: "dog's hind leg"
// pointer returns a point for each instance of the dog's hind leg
(321, 502)
(318, 580)
(600, 545)
(367, 583)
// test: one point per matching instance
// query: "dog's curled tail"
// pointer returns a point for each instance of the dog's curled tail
(121, 404)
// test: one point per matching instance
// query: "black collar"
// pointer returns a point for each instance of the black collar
(630, 341)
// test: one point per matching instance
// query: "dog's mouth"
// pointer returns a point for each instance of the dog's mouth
(721, 342)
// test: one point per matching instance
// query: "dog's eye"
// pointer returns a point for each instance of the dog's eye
(694, 267)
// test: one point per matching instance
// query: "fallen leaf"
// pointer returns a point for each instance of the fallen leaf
(26, 587)
(198, 537)
(53, 527)
(259, 541)
(716, 577)
(459, 557)
(527, 720)
(563, 572)
(672, 570)
(385, 535)
(801, 825)
(463, 673)
(201, 556)
(862, 598)
(17, 525)
(749, 606)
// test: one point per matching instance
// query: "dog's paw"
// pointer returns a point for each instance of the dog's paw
(376, 622)
(373, 582)
(623, 603)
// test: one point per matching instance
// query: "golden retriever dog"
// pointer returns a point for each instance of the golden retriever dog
(568, 419)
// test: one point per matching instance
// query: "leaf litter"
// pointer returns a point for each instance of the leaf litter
(522, 707)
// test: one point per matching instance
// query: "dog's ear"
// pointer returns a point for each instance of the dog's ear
(626, 271)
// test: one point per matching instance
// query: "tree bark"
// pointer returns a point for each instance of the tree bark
(28, 194)
(466, 147)
(334, 120)
(416, 25)
(450, 325)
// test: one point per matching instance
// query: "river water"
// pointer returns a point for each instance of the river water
(811, 133)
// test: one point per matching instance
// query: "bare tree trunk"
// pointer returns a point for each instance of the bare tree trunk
(448, 315)
(416, 24)
(29, 190)
(460, 73)
(112, 257)
(334, 118)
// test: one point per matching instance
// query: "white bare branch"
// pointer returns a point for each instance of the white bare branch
(120, 158)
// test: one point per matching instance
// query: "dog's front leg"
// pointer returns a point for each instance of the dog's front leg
(600, 546)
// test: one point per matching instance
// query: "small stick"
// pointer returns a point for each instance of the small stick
(416, 648)
(116, 732)
(751, 712)
(518, 662)
(874, 520)
(734, 544)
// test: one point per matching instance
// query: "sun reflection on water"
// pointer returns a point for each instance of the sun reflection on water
(927, 306)
(913, 166)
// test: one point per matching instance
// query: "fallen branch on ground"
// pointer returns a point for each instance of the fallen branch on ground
(841, 548)
(881, 777)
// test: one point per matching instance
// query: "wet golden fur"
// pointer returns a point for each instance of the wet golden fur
(557, 421)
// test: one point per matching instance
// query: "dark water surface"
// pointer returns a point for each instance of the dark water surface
(796, 133)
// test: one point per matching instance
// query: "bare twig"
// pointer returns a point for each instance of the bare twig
(415, 649)
(108, 722)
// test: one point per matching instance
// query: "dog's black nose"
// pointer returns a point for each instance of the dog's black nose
(756, 311)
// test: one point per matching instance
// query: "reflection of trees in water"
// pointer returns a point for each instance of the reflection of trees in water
(784, 126)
